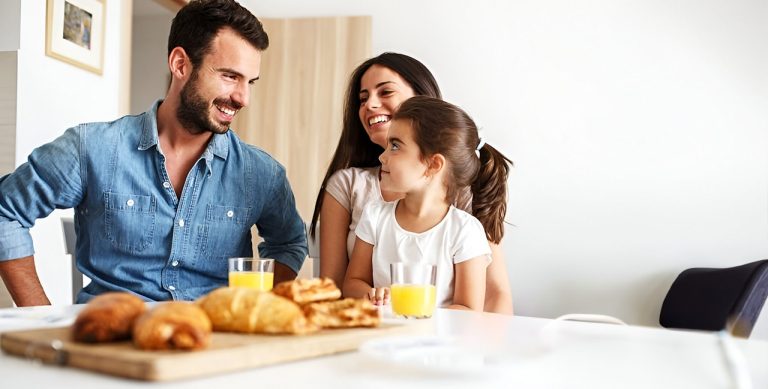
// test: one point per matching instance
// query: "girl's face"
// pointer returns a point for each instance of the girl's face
(402, 169)
(381, 92)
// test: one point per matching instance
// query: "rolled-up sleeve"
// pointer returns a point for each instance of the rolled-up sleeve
(50, 179)
(281, 226)
(15, 241)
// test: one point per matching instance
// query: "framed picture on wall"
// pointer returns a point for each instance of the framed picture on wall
(75, 33)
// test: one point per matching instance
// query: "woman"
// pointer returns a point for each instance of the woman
(376, 88)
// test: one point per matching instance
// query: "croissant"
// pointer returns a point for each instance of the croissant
(252, 311)
(107, 317)
(173, 325)
(305, 291)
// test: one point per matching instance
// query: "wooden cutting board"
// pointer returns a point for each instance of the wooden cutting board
(228, 351)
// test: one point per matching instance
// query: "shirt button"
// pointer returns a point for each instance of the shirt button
(166, 184)
(230, 214)
(171, 287)
(129, 202)
(181, 223)
(175, 263)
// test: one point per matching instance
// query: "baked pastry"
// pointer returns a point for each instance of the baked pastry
(173, 325)
(305, 291)
(344, 313)
(252, 311)
(108, 317)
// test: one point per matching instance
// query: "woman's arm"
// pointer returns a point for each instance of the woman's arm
(359, 280)
(469, 284)
(334, 228)
(498, 294)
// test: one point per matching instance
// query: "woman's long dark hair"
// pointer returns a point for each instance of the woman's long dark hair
(443, 128)
(355, 148)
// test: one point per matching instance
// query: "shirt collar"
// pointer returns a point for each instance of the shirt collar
(149, 127)
(218, 146)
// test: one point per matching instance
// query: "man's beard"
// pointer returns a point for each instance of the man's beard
(193, 110)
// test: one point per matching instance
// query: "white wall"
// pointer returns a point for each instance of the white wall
(51, 97)
(150, 75)
(638, 131)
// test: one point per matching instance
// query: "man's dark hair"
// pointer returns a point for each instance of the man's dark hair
(198, 22)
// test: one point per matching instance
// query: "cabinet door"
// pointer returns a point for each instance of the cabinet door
(295, 112)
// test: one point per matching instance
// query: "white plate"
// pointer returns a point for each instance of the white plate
(429, 353)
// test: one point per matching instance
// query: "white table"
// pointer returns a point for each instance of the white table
(521, 352)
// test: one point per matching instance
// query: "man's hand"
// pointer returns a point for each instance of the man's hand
(20, 277)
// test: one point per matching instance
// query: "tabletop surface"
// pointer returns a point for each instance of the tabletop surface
(456, 349)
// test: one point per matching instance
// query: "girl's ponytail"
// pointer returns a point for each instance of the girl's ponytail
(489, 191)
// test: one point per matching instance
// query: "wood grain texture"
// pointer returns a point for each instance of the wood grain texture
(296, 105)
(228, 352)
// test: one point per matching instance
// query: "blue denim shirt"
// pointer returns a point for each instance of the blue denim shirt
(133, 233)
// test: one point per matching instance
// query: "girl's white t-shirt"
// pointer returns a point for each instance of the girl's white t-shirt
(457, 238)
(355, 187)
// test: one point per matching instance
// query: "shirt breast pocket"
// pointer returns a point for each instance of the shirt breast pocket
(129, 221)
(225, 233)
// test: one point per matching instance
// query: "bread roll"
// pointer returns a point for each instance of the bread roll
(173, 325)
(107, 317)
(252, 311)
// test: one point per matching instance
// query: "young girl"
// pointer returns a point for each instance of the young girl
(433, 151)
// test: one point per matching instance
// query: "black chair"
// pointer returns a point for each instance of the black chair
(716, 299)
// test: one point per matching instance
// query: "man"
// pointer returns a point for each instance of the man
(162, 199)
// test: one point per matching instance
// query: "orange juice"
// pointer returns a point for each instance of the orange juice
(413, 300)
(252, 279)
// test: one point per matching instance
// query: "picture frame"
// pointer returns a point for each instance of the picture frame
(74, 32)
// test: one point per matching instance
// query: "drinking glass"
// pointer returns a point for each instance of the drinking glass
(256, 273)
(413, 292)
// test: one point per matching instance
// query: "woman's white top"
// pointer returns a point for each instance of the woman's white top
(353, 188)
(457, 238)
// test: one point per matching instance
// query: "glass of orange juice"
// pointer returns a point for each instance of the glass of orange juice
(256, 273)
(413, 292)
